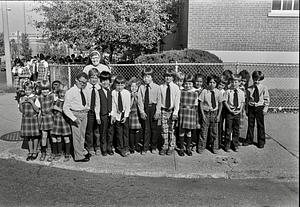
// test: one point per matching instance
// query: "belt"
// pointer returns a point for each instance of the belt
(80, 111)
(235, 109)
(168, 110)
(210, 111)
(188, 107)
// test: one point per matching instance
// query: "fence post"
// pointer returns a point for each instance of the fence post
(237, 68)
(69, 75)
(176, 67)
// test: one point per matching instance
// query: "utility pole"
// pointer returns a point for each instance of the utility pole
(6, 45)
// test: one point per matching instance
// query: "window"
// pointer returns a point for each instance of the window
(285, 8)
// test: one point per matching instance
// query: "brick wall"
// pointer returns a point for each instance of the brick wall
(240, 25)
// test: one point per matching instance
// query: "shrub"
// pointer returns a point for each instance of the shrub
(180, 56)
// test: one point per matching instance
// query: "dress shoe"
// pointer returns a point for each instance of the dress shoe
(122, 153)
(199, 150)
(143, 152)
(98, 152)
(154, 151)
(162, 152)
(189, 153)
(227, 148)
(29, 157)
(260, 146)
(88, 155)
(104, 154)
(169, 152)
(110, 153)
(180, 153)
(214, 151)
(235, 149)
(86, 159)
(247, 143)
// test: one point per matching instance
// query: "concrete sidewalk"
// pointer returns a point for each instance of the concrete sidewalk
(275, 161)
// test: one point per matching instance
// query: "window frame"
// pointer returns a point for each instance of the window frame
(283, 13)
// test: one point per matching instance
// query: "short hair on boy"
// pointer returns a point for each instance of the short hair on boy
(169, 72)
(62, 87)
(120, 80)
(95, 53)
(93, 72)
(227, 74)
(45, 84)
(147, 71)
(105, 75)
(212, 77)
(197, 76)
(245, 75)
(235, 77)
(56, 82)
(82, 74)
(134, 80)
(257, 75)
(189, 78)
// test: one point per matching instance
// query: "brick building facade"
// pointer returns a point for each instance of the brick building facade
(240, 30)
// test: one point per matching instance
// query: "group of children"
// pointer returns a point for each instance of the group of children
(141, 116)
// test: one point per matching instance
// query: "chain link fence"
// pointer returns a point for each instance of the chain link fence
(281, 79)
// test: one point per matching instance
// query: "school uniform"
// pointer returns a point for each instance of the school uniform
(61, 128)
(187, 116)
(169, 107)
(134, 124)
(258, 100)
(106, 134)
(210, 111)
(43, 70)
(30, 123)
(92, 135)
(121, 109)
(232, 124)
(76, 106)
(24, 75)
(46, 116)
(196, 132)
(149, 105)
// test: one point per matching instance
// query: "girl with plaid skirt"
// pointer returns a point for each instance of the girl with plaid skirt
(61, 128)
(29, 107)
(46, 117)
(43, 69)
(187, 114)
(135, 132)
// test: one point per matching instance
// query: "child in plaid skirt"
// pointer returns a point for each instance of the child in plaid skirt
(61, 128)
(187, 114)
(134, 122)
(43, 69)
(46, 117)
(29, 107)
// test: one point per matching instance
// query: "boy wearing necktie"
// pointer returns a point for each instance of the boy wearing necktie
(121, 99)
(234, 99)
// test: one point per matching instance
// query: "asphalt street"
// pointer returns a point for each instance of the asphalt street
(24, 184)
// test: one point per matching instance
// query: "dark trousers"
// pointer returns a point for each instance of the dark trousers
(106, 134)
(134, 139)
(221, 131)
(232, 125)
(150, 129)
(92, 135)
(256, 113)
(122, 135)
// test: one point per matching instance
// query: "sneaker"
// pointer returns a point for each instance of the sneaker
(189, 153)
(143, 152)
(92, 153)
(50, 158)
(57, 157)
(110, 153)
(235, 149)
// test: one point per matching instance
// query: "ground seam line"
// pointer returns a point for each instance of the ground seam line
(282, 146)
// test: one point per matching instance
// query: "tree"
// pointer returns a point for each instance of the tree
(111, 25)
(2, 44)
(26, 51)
